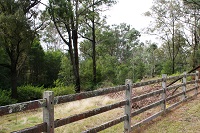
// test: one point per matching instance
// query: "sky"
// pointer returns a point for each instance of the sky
(131, 12)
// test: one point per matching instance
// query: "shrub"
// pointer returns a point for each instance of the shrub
(5, 98)
(28, 93)
(63, 90)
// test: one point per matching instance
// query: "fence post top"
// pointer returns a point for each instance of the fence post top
(184, 73)
(128, 81)
(164, 75)
(49, 92)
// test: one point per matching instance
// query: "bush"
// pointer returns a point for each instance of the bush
(28, 93)
(5, 98)
(63, 90)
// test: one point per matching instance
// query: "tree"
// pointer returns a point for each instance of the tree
(152, 61)
(64, 15)
(52, 67)
(114, 52)
(192, 15)
(36, 64)
(89, 24)
(168, 21)
(16, 35)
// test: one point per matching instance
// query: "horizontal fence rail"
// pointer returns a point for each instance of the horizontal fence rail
(89, 94)
(48, 102)
(19, 107)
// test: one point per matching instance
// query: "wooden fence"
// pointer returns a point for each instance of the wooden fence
(48, 102)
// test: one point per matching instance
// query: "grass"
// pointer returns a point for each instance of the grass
(184, 118)
(23, 120)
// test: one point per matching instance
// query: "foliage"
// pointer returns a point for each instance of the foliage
(16, 36)
(52, 67)
(65, 74)
(62, 90)
(5, 98)
(167, 69)
(36, 58)
(28, 93)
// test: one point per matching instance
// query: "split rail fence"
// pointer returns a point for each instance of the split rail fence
(48, 102)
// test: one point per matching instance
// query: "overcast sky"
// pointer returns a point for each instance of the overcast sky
(131, 12)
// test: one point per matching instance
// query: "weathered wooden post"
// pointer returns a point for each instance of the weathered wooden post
(196, 82)
(128, 93)
(48, 111)
(184, 81)
(164, 86)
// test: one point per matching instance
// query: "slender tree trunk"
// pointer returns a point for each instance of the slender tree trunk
(76, 58)
(75, 44)
(173, 49)
(195, 45)
(14, 78)
(93, 47)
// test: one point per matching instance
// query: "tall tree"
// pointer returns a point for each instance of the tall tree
(167, 15)
(114, 52)
(64, 14)
(16, 35)
(192, 15)
(91, 21)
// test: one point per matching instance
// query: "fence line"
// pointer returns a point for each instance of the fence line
(48, 102)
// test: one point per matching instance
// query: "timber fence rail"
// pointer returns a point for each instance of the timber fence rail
(48, 102)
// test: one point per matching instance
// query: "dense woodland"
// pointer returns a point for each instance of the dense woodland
(68, 47)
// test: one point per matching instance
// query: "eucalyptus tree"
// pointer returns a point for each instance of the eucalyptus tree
(168, 20)
(114, 52)
(192, 15)
(65, 16)
(91, 19)
(16, 35)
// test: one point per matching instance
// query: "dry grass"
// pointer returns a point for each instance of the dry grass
(22, 120)
(183, 119)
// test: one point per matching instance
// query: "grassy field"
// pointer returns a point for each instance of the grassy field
(22, 120)
(184, 118)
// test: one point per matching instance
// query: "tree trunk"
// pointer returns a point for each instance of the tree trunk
(195, 46)
(75, 44)
(93, 47)
(14, 77)
(173, 49)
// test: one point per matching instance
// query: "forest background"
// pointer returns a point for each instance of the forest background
(69, 47)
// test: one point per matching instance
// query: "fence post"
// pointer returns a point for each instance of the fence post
(164, 86)
(48, 111)
(128, 93)
(184, 81)
(196, 82)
